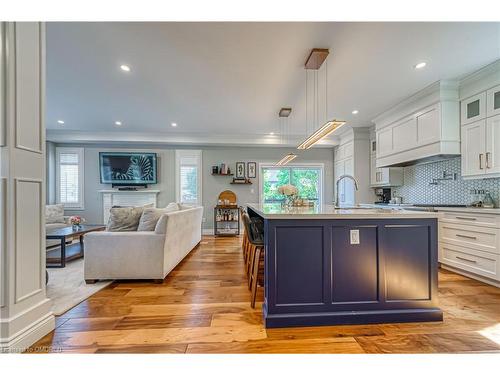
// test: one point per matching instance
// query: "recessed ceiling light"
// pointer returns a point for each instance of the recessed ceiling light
(420, 65)
(355, 112)
(272, 133)
(125, 68)
(60, 122)
(118, 123)
(174, 124)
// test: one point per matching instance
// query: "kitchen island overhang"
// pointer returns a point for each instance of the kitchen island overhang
(325, 266)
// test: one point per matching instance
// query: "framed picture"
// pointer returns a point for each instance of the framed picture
(251, 169)
(240, 169)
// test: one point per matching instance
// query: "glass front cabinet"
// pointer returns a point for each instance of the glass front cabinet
(493, 101)
(473, 108)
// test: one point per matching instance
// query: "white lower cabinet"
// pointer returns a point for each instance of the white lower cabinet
(471, 242)
(382, 177)
(474, 261)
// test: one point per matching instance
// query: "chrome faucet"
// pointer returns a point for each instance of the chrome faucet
(337, 203)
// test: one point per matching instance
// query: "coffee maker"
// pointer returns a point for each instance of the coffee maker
(383, 195)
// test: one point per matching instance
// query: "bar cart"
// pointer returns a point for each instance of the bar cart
(226, 215)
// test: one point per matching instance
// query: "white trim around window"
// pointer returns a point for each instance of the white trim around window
(320, 166)
(68, 158)
(189, 159)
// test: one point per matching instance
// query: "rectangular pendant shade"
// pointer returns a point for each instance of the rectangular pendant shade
(321, 133)
(286, 159)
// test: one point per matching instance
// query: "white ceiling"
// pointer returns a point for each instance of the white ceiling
(225, 82)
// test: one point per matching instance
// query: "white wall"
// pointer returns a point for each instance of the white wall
(212, 185)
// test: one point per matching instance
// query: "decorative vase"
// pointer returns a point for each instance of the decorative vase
(76, 226)
(289, 200)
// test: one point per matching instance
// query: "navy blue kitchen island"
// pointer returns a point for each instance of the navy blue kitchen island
(325, 266)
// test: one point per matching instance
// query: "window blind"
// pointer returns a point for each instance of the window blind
(189, 176)
(70, 189)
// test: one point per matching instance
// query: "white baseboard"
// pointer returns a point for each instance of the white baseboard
(208, 232)
(27, 337)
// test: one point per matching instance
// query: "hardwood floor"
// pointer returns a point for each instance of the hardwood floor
(203, 306)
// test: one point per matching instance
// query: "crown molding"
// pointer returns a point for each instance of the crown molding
(480, 80)
(180, 139)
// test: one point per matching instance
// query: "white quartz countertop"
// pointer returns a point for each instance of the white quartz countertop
(470, 210)
(276, 211)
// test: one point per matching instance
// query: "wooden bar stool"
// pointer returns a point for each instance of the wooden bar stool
(247, 247)
(244, 245)
(256, 254)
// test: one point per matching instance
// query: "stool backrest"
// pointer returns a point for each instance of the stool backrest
(254, 229)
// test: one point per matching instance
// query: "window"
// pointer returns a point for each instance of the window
(188, 176)
(69, 177)
(307, 178)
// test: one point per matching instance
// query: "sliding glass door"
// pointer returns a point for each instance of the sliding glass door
(307, 178)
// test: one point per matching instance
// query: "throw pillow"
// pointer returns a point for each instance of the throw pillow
(124, 219)
(150, 217)
(54, 213)
(161, 225)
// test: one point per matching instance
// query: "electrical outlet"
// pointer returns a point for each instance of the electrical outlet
(354, 236)
(204, 220)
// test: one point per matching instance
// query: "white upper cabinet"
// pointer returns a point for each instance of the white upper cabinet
(493, 145)
(481, 148)
(352, 157)
(473, 108)
(424, 126)
(493, 101)
(383, 177)
(480, 118)
(473, 149)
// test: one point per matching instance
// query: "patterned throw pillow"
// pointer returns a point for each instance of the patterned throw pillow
(124, 219)
(54, 213)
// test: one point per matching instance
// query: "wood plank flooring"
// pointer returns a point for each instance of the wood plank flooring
(203, 307)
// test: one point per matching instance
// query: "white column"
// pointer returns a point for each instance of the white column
(25, 311)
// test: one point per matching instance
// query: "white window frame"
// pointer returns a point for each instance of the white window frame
(321, 167)
(179, 154)
(81, 173)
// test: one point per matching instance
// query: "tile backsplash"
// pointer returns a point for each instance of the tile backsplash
(416, 188)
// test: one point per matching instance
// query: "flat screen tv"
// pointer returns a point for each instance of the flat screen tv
(127, 168)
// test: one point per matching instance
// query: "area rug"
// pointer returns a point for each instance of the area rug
(67, 288)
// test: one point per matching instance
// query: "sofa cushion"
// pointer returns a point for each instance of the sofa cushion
(124, 219)
(161, 225)
(150, 217)
(54, 213)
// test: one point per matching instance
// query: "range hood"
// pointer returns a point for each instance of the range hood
(423, 160)
(424, 128)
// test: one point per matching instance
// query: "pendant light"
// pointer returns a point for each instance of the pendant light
(314, 62)
(283, 117)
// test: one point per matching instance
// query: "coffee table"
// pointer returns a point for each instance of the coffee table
(57, 257)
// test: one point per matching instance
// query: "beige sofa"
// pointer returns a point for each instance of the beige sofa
(143, 255)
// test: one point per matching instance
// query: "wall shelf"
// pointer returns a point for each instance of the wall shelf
(241, 183)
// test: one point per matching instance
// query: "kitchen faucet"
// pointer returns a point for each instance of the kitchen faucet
(337, 204)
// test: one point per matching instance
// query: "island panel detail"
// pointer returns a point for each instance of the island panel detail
(316, 275)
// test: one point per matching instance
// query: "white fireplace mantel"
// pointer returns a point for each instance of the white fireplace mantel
(113, 197)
